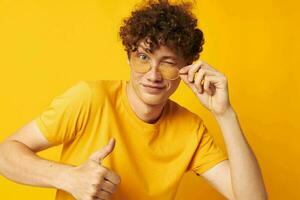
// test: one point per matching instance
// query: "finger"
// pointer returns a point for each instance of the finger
(184, 77)
(200, 76)
(206, 85)
(208, 67)
(199, 79)
(96, 198)
(193, 70)
(189, 84)
(105, 151)
(209, 84)
(102, 194)
(112, 177)
(108, 187)
(185, 69)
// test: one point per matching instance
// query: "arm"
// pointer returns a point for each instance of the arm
(239, 177)
(18, 162)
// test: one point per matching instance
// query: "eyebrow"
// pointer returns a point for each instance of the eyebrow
(145, 49)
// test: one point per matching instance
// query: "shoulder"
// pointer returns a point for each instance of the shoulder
(98, 87)
(180, 114)
(103, 90)
(101, 84)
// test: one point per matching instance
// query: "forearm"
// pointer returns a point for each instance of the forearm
(246, 177)
(20, 164)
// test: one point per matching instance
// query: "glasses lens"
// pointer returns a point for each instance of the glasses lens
(140, 66)
(169, 71)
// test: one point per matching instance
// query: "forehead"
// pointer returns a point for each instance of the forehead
(162, 51)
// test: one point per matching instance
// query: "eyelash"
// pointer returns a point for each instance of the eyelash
(141, 54)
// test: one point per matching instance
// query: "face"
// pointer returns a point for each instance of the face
(152, 87)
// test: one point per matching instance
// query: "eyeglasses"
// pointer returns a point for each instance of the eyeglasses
(169, 71)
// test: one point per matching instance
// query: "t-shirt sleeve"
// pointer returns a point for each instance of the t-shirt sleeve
(67, 114)
(208, 153)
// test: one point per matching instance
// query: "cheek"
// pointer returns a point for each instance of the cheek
(175, 83)
(136, 80)
(172, 85)
(135, 76)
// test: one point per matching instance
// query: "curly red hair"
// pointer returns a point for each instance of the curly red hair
(162, 23)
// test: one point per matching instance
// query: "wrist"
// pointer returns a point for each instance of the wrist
(62, 180)
(228, 113)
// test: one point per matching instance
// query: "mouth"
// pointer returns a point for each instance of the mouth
(153, 88)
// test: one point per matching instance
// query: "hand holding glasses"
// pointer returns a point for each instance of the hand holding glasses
(169, 71)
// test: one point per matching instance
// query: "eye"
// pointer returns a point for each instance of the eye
(169, 63)
(143, 57)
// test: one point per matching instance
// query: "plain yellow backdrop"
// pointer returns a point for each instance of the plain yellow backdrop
(47, 46)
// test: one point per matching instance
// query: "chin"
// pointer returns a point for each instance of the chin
(153, 99)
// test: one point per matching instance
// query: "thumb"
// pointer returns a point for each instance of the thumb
(105, 151)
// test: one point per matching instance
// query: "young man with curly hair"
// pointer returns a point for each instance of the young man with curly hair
(157, 140)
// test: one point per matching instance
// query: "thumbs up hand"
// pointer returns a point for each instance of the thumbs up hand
(91, 180)
(102, 153)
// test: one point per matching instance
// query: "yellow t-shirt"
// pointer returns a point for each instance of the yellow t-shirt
(150, 158)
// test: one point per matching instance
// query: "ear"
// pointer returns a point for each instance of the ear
(189, 62)
(128, 58)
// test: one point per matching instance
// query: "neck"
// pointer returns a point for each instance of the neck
(147, 113)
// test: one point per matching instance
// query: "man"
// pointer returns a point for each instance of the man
(152, 141)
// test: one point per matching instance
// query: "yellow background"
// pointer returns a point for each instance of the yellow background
(47, 46)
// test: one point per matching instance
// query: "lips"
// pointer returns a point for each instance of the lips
(153, 88)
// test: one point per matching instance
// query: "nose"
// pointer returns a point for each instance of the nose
(154, 74)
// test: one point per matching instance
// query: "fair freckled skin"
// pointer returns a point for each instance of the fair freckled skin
(148, 106)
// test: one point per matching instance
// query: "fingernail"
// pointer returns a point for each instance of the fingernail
(111, 140)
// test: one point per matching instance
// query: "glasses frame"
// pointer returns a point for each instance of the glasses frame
(135, 56)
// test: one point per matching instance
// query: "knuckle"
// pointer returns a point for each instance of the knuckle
(198, 81)
(200, 63)
(190, 74)
(103, 169)
(195, 68)
(96, 181)
(92, 191)
(99, 170)
(109, 186)
(87, 198)
(206, 85)
(118, 179)
(201, 72)
(113, 189)
(91, 164)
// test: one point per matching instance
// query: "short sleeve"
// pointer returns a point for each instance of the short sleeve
(66, 115)
(207, 154)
